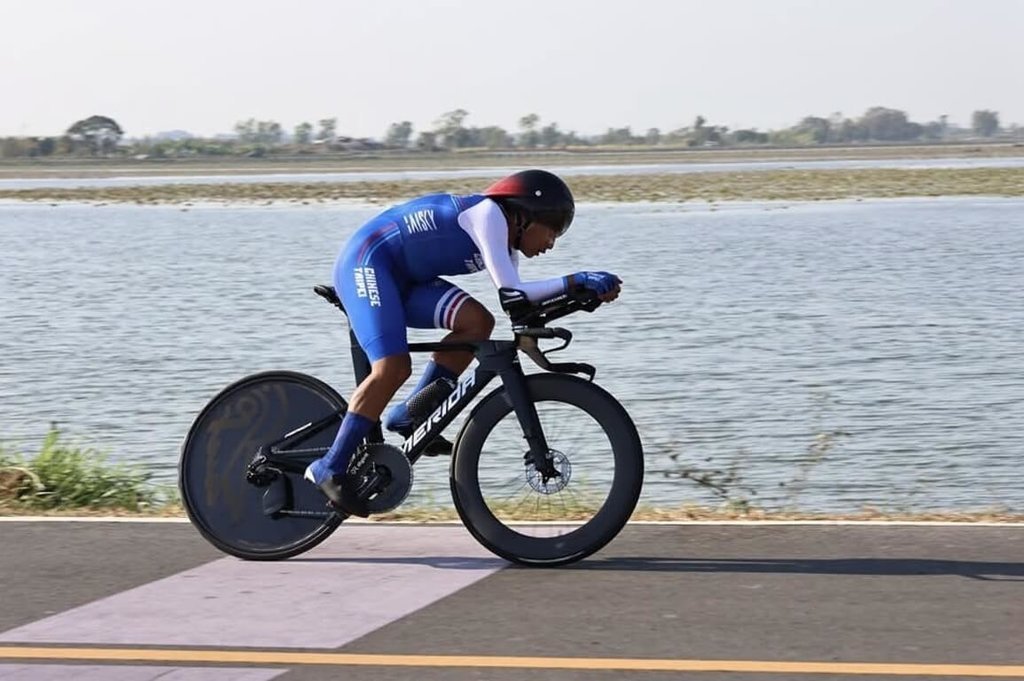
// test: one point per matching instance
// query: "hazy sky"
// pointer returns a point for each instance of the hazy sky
(158, 65)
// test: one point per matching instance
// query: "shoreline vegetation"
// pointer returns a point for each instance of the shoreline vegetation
(98, 167)
(65, 479)
(757, 185)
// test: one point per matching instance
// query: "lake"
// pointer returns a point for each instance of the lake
(834, 355)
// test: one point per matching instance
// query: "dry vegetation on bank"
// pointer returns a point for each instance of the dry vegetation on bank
(762, 185)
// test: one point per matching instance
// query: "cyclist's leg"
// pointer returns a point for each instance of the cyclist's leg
(442, 305)
(365, 280)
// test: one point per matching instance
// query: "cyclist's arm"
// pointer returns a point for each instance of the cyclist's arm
(486, 225)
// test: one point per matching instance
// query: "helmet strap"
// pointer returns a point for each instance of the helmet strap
(518, 220)
(520, 231)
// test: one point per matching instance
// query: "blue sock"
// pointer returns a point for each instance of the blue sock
(398, 417)
(353, 429)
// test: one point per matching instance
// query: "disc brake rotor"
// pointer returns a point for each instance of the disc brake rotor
(552, 485)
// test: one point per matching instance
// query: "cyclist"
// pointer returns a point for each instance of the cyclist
(388, 278)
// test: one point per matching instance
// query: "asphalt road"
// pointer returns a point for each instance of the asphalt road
(723, 602)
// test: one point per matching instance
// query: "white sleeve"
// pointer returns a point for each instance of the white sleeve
(486, 225)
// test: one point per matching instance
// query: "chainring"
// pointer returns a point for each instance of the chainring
(391, 464)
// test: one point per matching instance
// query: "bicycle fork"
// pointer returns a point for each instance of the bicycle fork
(502, 359)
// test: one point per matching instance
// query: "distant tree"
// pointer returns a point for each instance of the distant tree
(880, 123)
(653, 136)
(45, 146)
(12, 147)
(985, 122)
(15, 147)
(529, 137)
(246, 131)
(702, 133)
(935, 130)
(913, 131)
(269, 132)
(677, 136)
(817, 129)
(399, 134)
(427, 141)
(250, 132)
(450, 129)
(494, 137)
(848, 131)
(618, 136)
(303, 133)
(572, 139)
(328, 130)
(749, 137)
(550, 135)
(100, 133)
(529, 122)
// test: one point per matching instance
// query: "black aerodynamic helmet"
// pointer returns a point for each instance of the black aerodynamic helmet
(537, 194)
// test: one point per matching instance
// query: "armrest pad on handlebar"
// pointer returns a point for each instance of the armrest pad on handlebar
(545, 332)
(524, 313)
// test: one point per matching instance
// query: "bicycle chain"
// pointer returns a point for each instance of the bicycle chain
(308, 450)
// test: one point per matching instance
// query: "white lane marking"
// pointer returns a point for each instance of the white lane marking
(63, 672)
(359, 580)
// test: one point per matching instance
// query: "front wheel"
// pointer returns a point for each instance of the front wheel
(522, 517)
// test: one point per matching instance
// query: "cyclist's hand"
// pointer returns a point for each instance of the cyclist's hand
(604, 284)
(614, 293)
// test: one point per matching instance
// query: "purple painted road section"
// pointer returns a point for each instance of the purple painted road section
(362, 578)
(63, 672)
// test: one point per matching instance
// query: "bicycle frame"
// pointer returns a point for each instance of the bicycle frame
(495, 359)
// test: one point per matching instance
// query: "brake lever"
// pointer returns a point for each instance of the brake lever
(527, 340)
(544, 332)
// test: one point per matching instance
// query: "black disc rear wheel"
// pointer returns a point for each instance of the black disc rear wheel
(226, 508)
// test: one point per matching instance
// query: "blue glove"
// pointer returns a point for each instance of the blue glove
(598, 282)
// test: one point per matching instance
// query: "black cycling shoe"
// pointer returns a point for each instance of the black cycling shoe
(344, 496)
(343, 493)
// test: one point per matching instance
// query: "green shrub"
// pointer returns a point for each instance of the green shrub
(63, 475)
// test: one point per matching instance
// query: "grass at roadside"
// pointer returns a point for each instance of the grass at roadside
(414, 514)
(66, 479)
(65, 476)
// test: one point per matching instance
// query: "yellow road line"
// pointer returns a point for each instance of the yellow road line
(452, 661)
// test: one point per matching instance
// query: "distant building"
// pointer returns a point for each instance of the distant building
(173, 136)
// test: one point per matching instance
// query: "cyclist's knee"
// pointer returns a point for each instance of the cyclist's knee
(393, 369)
(474, 319)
